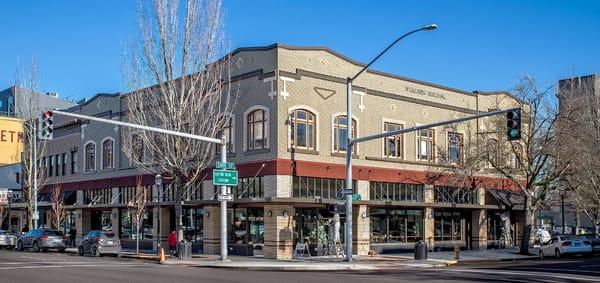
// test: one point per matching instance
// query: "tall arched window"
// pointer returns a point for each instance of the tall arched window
(137, 148)
(108, 154)
(303, 126)
(257, 130)
(340, 134)
(90, 157)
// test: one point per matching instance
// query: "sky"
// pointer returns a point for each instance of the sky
(480, 45)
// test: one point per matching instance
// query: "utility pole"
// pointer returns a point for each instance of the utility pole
(35, 215)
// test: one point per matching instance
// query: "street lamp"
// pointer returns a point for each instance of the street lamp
(350, 143)
(158, 183)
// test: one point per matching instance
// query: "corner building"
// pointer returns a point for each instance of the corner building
(288, 139)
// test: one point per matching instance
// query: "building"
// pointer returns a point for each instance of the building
(287, 138)
(22, 103)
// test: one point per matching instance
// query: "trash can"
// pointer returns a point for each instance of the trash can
(184, 250)
(420, 250)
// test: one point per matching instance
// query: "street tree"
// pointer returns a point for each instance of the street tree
(28, 108)
(58, 210)
(530, 163)
(179, 83)
(139, 203)
(579, 131)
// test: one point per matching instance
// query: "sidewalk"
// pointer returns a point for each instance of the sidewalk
(472, 256)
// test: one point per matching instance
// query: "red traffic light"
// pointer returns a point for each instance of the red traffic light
(48, 114)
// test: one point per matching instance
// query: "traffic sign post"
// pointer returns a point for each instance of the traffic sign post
(225, 197)
(225, 165)
(225, 177)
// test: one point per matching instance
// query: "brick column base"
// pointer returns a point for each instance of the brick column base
(212, 230)
(360, 230)
(279, 239)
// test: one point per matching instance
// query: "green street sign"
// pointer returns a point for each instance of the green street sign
(225, 177)
(225, 165)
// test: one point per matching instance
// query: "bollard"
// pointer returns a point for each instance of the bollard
(456, 251)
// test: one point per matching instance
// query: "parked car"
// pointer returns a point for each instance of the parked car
(565, 244)
(99, 243)
(42, 240)
(595, 239)
(7, 239)
(542, 236)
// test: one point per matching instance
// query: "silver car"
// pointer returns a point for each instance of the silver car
(42, 240)
(99, 243)
(7, 240)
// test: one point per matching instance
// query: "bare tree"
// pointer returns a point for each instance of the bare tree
(189, 89)
(28, 106)
(579, 131)
(57, 200)
(531, 163)
(139, 205)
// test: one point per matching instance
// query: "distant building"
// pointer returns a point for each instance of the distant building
(21, 103)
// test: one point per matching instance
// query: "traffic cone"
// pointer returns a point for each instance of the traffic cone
(162, 256)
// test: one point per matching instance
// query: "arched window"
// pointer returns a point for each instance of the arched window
(303, 126)
(90, 157)
(340, 134)
(257, 129)
(108, 154)
(137, 144)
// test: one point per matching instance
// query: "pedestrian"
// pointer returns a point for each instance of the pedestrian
(172, 240)
(72, 236)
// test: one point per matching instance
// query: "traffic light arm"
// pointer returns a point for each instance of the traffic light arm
(416, 128)
(141, 127)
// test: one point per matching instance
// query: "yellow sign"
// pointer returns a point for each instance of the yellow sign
(11, 140)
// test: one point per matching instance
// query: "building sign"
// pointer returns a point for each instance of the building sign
(11, 140)
(421, 91)
(3, 196)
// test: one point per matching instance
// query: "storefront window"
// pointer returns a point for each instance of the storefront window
(323, 188)
(128, 226)
(448, 225)
(396, 192)
(248, 226)
(396, 225)
(494, 224)
(455, 195)
(192, 224)
(252, 187)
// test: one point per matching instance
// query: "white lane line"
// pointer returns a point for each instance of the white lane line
(72, 265)
(44, 262)
(568, 270)
(542, 274)
(591, 265)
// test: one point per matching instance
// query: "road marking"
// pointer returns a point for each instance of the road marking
(557, 276)
(74, 265)
(568, 270)
(591, 265)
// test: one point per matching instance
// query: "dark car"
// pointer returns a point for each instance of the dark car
(42, 240)
(595, 239)
(99, 243)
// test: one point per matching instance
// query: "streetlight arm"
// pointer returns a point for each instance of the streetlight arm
(429, 27)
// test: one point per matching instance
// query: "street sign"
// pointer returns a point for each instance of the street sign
(347, 192)
(36, 215)
(225, 165)
(225, 177)
(225, 197)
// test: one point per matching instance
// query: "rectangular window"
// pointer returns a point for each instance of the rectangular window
(51, 167)
(455, 148)
(57, 162)
(448, 225)
(249, 188)
(340, 134)
(393, 145)
(384, 191)
(248, 226)
(73, 162)
(396, 225)
(63, 167)
(454, 195)
(323, 188)
(425, 144)
(228, 132)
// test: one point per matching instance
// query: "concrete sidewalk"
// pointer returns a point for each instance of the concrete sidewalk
(473, 256)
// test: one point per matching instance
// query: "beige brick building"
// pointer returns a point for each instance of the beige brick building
(288, 141)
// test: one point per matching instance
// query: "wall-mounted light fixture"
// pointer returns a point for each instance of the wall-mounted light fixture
(285, 214)
(270, 213)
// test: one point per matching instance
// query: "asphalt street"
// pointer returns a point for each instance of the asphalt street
(55, 267)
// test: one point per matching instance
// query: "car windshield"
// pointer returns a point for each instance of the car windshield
(52, 233)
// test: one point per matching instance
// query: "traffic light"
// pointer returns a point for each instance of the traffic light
(513, 124)
(46, 126)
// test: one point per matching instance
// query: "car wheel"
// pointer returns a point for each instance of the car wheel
(61, 250)
(541, 254)
(80, 250)
(36, 248)
(95, 252)
(19, 246)
(557, 253)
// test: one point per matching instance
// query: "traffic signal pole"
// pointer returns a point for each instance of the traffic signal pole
(222, 141)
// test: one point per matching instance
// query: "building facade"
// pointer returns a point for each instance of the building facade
(288, 140)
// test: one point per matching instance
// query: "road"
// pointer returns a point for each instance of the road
(55, 267)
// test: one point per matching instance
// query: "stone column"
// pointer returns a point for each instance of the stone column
(114, 219)
(212, 230)
(479, 229)
(279, 240)
(360, 230)
(82, 222)
(428, 222)
(208, 190)
(164, 225)
(278, 186)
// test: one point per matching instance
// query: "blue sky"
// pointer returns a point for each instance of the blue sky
(481, 45)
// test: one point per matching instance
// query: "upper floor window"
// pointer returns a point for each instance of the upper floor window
(228, 132)
(51, 166)
(90, 157)
(57, 162)
(303, 126)
(340, 133)
(257, 130)
(74, 162)
(108, 154)
(455, 148)
(425, 144)
(515, 156)
(393, 145)
(137, 144)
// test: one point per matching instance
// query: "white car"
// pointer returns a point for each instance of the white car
(565, 244)
(542, 236)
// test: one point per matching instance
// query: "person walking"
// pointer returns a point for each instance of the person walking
(72, 236)
(172, 240)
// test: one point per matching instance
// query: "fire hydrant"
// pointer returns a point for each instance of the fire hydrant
(456, 252)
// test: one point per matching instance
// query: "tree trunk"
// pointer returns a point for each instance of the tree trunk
(178, 208)
(527, 227)
(137, 239)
